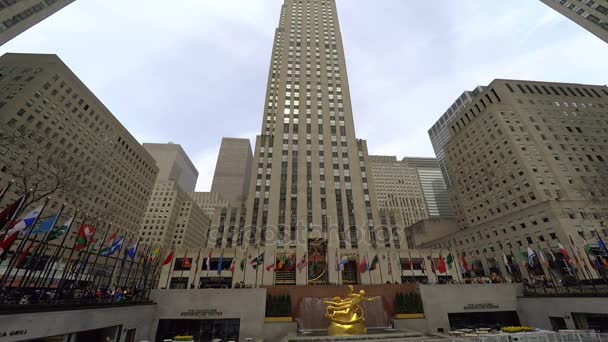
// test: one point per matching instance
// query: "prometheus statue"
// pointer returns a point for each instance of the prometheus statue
(346, 314)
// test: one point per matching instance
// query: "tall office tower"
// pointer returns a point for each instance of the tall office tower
(174, 164)
(590, 14)
(16, 16)
(310, 191)
(55, 134)
(433, 186)
(440, 132)
(233, 170)
(527, 161)
(398, 188)
(173, 218)
(209, 201)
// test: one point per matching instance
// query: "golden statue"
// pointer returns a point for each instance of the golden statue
(346, 314)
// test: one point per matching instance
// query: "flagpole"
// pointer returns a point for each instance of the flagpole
(22, 244)
(31, 269)
(369, 273)
(390, 267)
(171, 265)
(91, 276)
(603, 246)
(245, 257)
(14, 215)
(380, 270)
(198, 258)
(142, 258)
(122, 243)
(69, 261)
(124, 259)
(256, 268)
(181, 275)
(132, 260)
(87, 251)
(454, 260)
(58, 249)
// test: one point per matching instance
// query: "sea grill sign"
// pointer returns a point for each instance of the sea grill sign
(19, 332)
(201, 313)
(481, 307)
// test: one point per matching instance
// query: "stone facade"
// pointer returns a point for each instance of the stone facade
(18, 16)
(591, 15)
(59, 122)
(174, 165)
(233, 170)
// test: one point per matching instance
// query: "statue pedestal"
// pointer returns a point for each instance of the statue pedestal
(336, 329)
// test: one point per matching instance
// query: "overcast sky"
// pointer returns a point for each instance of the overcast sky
(193, 71)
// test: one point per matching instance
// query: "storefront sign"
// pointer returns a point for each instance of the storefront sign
(483, 306)
(13, 333)
(201, 313)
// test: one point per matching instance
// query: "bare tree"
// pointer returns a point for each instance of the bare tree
(41, 168)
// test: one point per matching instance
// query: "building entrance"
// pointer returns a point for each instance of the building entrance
(202, 330)
(491, 319)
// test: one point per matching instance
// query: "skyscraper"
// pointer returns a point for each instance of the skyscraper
(66, 139)
(233, 170)
(310, 182)
(174, 165)
(16, 16)
(432, 184)
(590, 14)
(527, 162)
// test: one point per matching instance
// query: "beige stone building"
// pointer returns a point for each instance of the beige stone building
(174, 164)
(527, 164)
(590, 14)
(233, 170)
(65, 138)
(428, 230)
(16, 16)
(209, 201)
(398, 188)
(173, 218)
(433, 185)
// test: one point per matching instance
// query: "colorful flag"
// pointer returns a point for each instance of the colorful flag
(441, 267)
(257, 261)
(342, 262)
(449, 261)
(168, 259)
(541, 256)
(563, 250)
(45, 226)
(432, 264)
(273, 263)
(242, 263)
(186, 262)
(27, 221)
(302, 263)
(84, 236)
(602, 245)
(8, 213)
(58, 232)
(290, 263)
(604, 262)
(23, 256)
(114, 247)
(219, 264)
(463, 264)
(6, 244)
(363, 265)
(531, 256)
(375, 262)
(232, 265)
(132, 251)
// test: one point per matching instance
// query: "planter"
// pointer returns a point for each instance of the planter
(409, 316)
(278, 320)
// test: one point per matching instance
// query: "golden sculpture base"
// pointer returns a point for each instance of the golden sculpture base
(336, 329)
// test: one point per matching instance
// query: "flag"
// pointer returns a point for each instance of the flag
(114, 247)
(441, 267)
(301, 264)
(219, 263)
(84, 236)
(463, 264)
(27, 221)
(531, 256)
(506, 261)
(6, 244)
(342, 262)
(242, 263)
(186, 262)
(449, 261)
(602, 245)
(132, 251)
(290, 263)
(563, 250)
(105, 247)
(604, 262)
(46, 225)
(58, 232)
(154, 255)
(541, 256)
(168, 259)
(232, 265)
(375, 262)
(337, 261)
(432, 264)
(208, 262)
(390, 265)
(363, 265)
(22, 257)
(8, 213)
(273, 263)
(259, 260)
